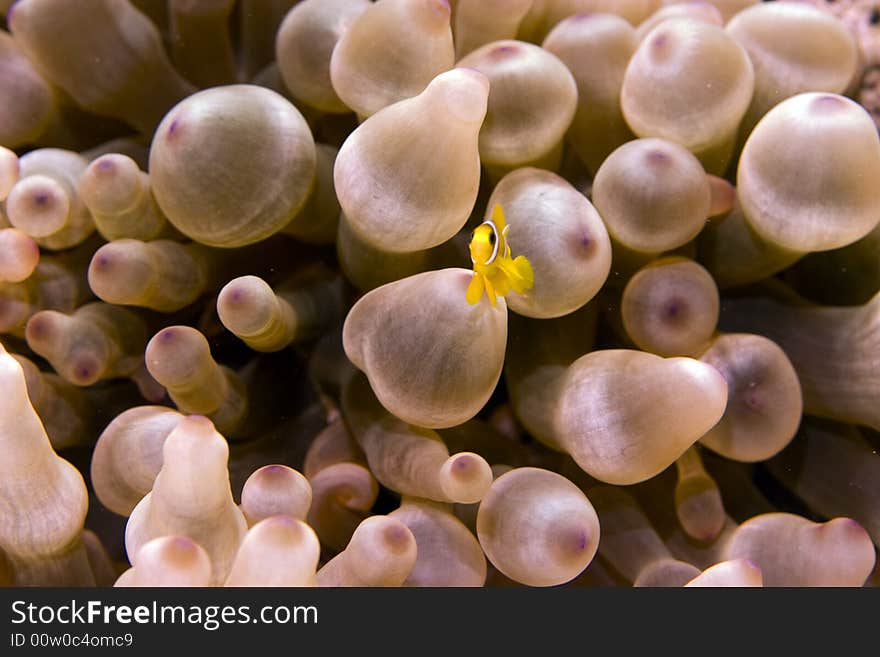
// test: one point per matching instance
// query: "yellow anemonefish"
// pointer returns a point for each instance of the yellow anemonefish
(495, 271)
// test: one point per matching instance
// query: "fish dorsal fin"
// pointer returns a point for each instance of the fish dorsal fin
(498, 219)
(519, 273)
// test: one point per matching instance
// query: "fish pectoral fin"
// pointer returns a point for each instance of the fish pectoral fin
(475, 289)
(500, 282)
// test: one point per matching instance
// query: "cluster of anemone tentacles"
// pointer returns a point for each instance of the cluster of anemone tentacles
(240, 341)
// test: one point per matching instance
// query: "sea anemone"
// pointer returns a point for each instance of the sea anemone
(353, 293)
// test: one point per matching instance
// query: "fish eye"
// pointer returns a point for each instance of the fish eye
(491, 238)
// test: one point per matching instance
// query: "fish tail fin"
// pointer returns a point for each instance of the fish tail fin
(526, 273)
(519, 272)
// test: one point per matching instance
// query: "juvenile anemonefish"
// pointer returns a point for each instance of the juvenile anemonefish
(495, 271)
